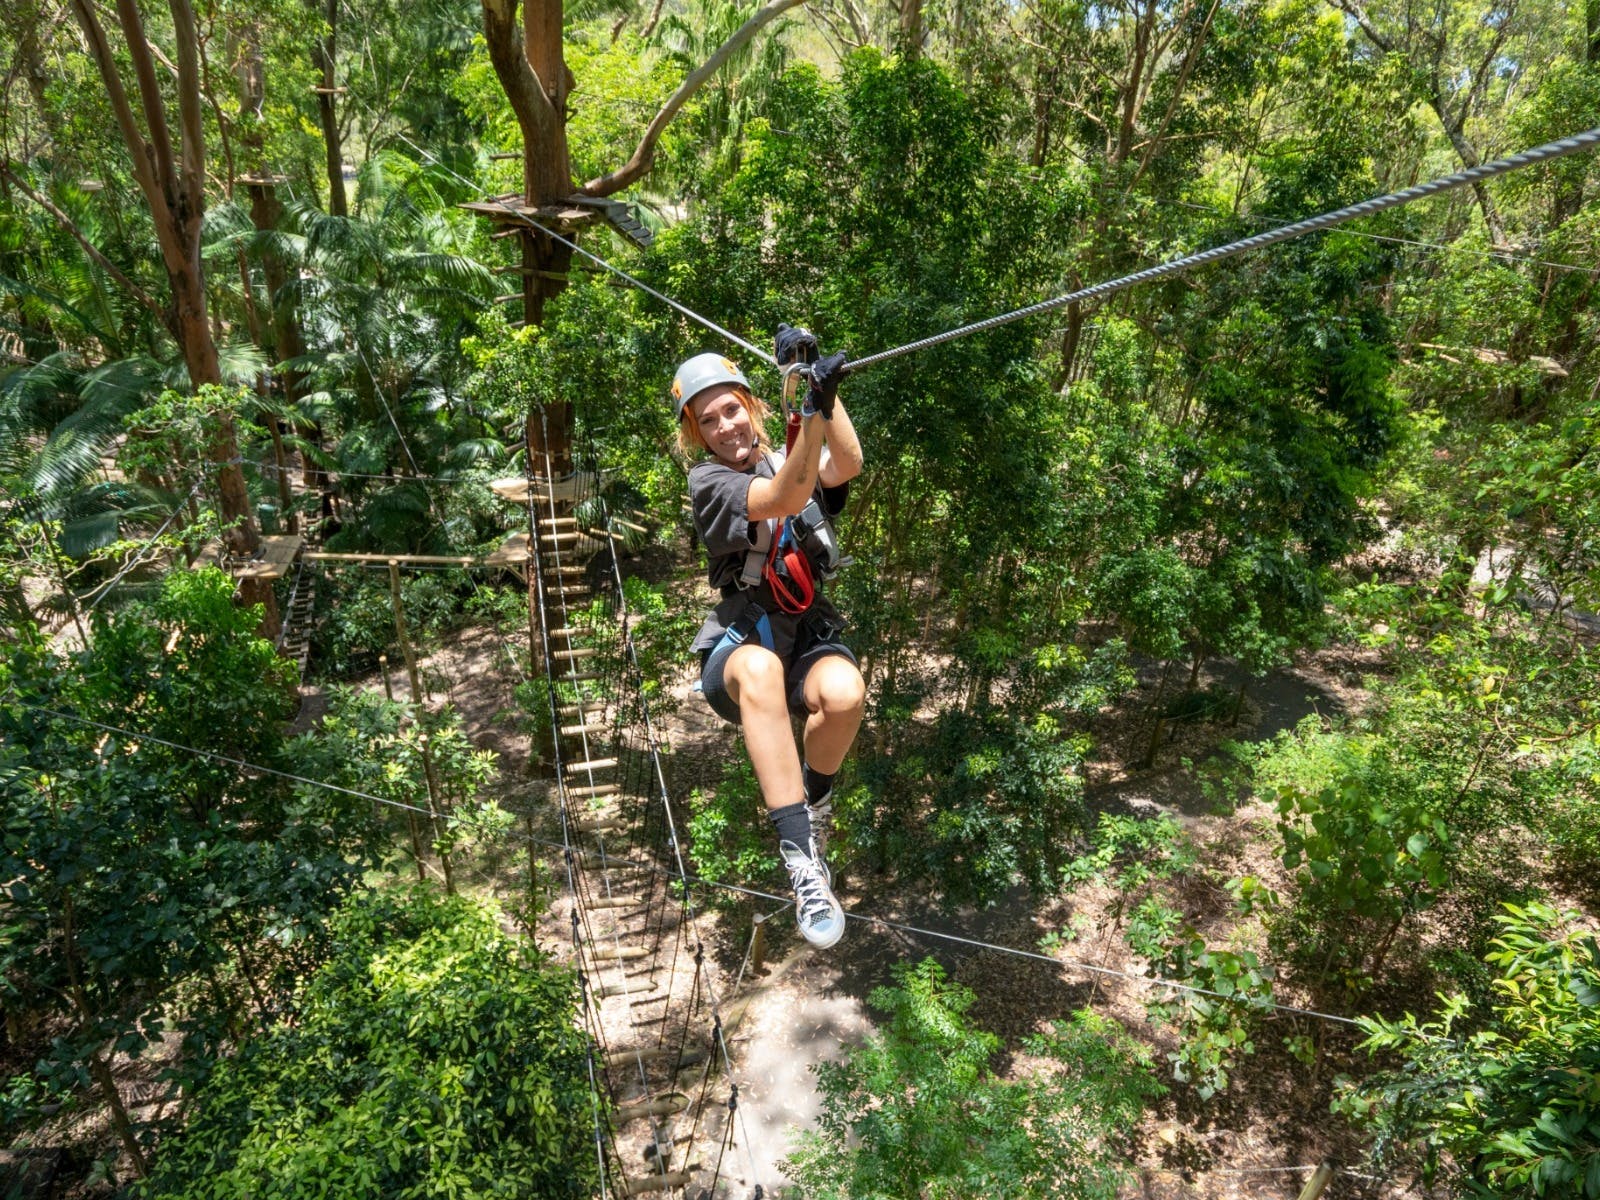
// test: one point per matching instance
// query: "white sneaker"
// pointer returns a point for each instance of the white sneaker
(816, 909)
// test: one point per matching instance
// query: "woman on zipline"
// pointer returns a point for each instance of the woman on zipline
(771, 647)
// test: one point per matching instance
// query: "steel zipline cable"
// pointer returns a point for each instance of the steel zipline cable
(1270, 237)
(1538, 154)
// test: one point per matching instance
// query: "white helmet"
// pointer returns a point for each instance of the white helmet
(701, 372)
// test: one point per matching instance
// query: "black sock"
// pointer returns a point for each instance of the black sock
(793, 822)
(817, 784)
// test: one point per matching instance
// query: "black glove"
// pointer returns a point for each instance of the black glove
(795, 345)
(825, 377)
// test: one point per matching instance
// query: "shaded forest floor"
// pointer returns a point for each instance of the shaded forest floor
(1260, 1137)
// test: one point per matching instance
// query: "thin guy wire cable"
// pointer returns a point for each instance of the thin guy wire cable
(1188, 262)
(738, 889)
(105, 589)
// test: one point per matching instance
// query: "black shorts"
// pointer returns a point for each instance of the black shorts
(810, 649)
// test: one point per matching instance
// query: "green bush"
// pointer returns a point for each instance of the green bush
(433, 1055)
(1511, 1108)
(918, 1112)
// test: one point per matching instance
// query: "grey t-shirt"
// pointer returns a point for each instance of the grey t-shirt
(719, 498)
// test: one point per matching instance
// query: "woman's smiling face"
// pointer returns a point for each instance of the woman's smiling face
(724, 422)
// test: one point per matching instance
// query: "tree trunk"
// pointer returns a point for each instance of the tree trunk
(324, 57)
(910, 37)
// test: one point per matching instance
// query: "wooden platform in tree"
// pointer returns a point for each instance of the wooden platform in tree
(513, 552)
(511, 209)
(273, 559)
(568, 490)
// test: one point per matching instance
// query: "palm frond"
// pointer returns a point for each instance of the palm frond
(476, 450)
(241, 362)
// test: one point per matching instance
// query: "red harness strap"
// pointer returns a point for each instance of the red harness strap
(796, 587)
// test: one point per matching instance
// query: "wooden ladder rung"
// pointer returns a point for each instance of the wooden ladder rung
(628, 1056)
(605, 991)
(599, 789)
(663, 1106)
(613, 902)
(620, 953)
(592, 764)
(645, 1184)
(574, 710)
(584, 730)
(574, 655)
(576, 677)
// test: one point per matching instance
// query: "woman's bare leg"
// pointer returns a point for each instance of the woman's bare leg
(753, 676)
(836, 697)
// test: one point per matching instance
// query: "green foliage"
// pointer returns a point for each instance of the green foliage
(1127, 852)
(976, 803)
(1502, 1103)
(433, 1054)
(918, 1112)
(360, 622)
(1477, 743)
(150, 890)
(730, 838)
(1213, 1030)
(386, 748)
(1360, 839)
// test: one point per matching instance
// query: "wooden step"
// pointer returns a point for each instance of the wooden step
(620, 953)
(574, 655)
(583, 730)
(663, 1106)
(600, 824)
(605, 991)
(612, 862)
(645, 1184)
(574, 710)
(631, 1056)
(593, 764)
(614, 902)
(571, 677)
(599, 789)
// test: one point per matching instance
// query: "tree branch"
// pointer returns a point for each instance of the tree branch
(537, 117)
(66, 222)
(138, 150)
(1352, 9)
(155, 112)
(190, 119)
(644, 154)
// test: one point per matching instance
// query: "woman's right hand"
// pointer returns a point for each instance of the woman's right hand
(825, 376)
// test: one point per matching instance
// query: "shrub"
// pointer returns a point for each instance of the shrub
(919, 1113)
(432, 1055)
